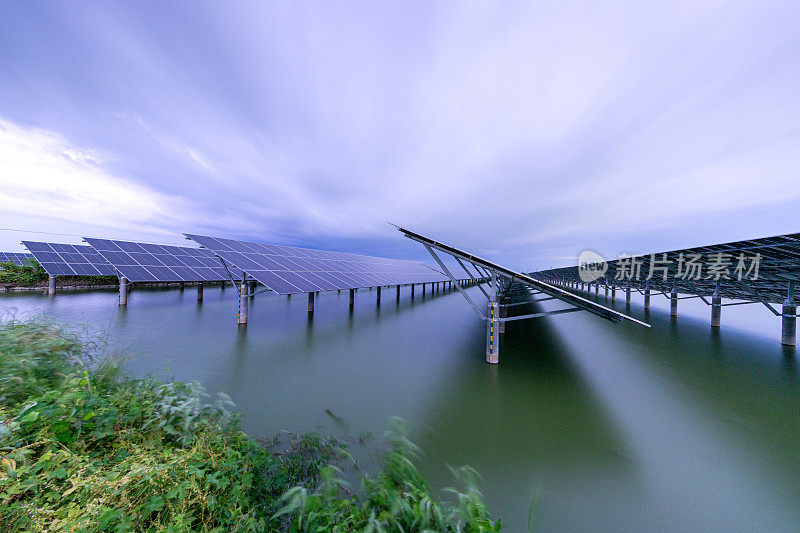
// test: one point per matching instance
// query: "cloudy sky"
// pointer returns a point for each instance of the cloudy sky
(526, 132)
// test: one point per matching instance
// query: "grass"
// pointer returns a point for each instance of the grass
(33, 275)
(83, 448)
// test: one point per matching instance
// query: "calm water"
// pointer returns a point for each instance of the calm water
(615, 427)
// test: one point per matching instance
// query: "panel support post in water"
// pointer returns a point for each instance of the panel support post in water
(352, 298)
(397, 297)
(310, 303)
(492, 335)
(673, 301)
(378, 296)
(51, 285)
(716, 307)
(252, 289)
(606, 289)
(412, 291)
(199, 291)
(628, 294)
(647, 295)
(123, 290)
(789, 319)
(613, 291)
(423, 289)
(243, 301)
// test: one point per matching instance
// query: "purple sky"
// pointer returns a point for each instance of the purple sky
(524, 132)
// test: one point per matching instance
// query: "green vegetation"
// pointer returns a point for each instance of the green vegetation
(33, 275)
(84, 449)
(30, 274)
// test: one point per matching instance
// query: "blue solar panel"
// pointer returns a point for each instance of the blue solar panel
(69, 259)
(142, 262)
(287, 269)
(19, 259)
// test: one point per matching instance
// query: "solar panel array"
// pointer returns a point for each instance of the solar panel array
(69, 259)
(524, 279)
(756, 269)
(287, 269)
(19, 259)
(141, 262)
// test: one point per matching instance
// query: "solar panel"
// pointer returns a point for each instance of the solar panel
(756, 269)
(288, 269)
(69, 259)
(19, 259)
(141, 262)
(513, 276)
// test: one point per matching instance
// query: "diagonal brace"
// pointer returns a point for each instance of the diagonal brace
(459, 287)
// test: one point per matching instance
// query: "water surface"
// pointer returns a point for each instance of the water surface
(613, 427)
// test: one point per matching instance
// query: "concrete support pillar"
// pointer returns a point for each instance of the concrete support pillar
(412, 291)
(613, 292)
(123, 291)
(716, 311)
(423, 289)
(628, 295)
(789, 319)
(352, 298)
(646, 297)
(311, 303)
(597, 289)
(222, 285)
(492, 326)
(200, 291)
(51, 285)
(243, 302)
(378, 297)
(398, 293)
(673, 301)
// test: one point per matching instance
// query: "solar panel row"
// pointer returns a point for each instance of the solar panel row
(288, 269)
(756, 269)
(140, 262)
(19, 259)
(69, 259)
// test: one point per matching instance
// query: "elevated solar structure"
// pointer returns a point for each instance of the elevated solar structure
(69, 259)
(757, 270)
(291, 270)
(142, 262)
(17, 258)
(764, 270)
(505, 281)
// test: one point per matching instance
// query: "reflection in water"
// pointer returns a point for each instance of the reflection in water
(679, 426)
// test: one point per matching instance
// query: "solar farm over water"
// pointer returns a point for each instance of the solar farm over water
(287, 270)
(399, 266)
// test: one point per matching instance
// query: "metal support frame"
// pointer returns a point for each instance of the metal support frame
(543, 313)
(447, 271)
(311, 303)
(200, 291)
(472, 277)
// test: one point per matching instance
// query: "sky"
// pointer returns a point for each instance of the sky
(524, 132)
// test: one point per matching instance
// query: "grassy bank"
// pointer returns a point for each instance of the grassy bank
(83, 448)
(33, 275)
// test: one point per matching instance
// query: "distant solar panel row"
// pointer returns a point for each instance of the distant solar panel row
(757, 269)
(69, 259)
(19, 259)
(287, 269)
(140, 262)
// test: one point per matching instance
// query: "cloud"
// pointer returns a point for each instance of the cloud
(42, 173)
